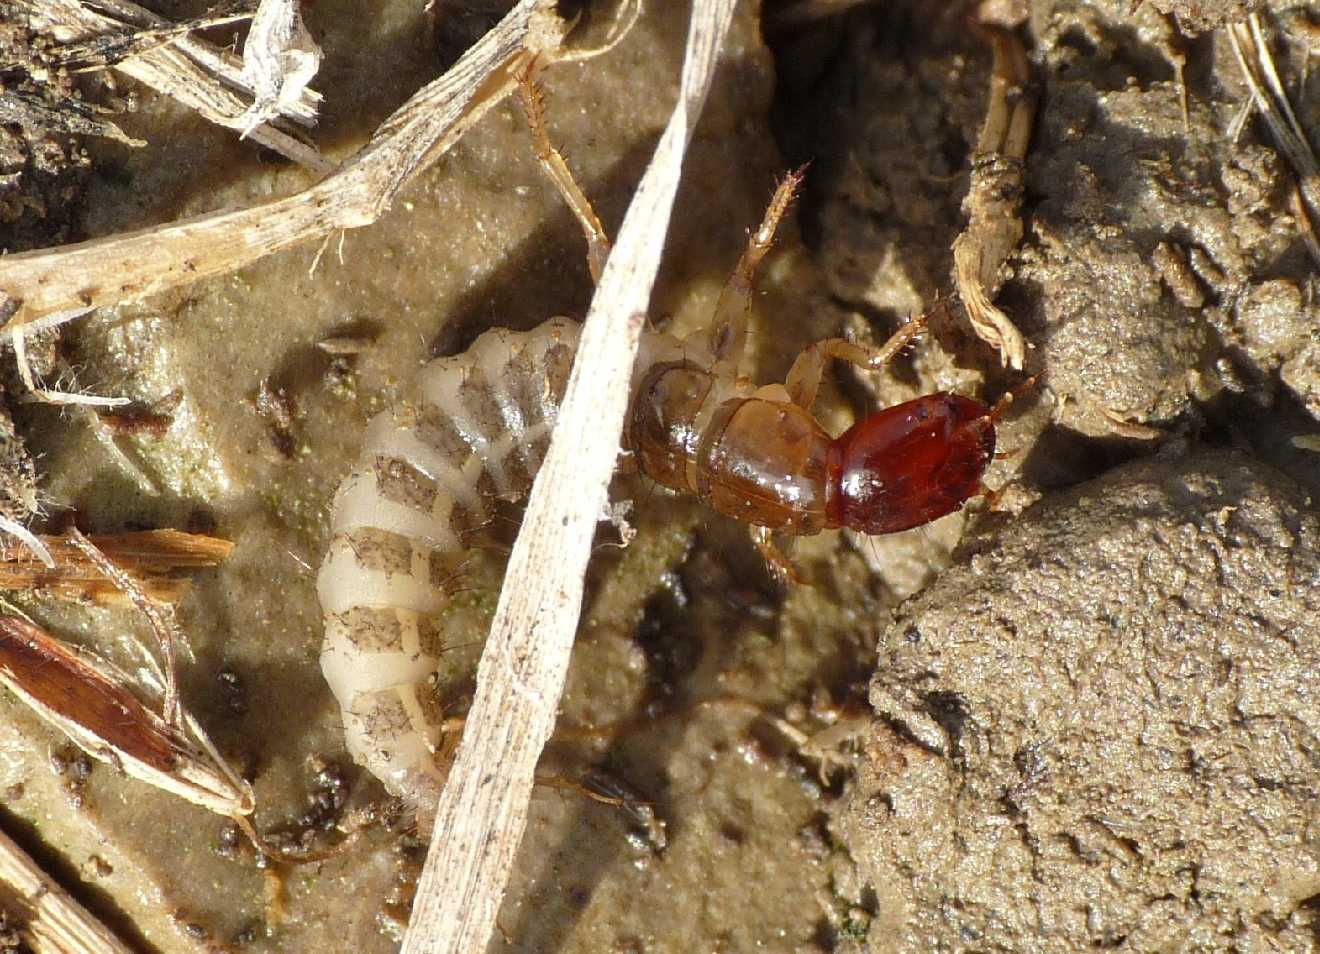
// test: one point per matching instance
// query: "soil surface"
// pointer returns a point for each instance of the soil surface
(1090, 717)
(1098, 731)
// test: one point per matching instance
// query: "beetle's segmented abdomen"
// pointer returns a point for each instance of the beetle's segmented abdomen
(473, 427)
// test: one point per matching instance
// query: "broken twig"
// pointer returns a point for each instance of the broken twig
(49, 920)
(133, 265)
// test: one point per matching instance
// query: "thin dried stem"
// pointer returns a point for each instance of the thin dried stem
(1271, 100)
(51, 922)
(136, 264)
(160, 616)
(483, 808)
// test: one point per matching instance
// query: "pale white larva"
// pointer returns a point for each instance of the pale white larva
(472, 428)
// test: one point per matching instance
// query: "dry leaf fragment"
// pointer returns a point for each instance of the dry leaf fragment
(92, 706)
(279, 60)
(150, 557)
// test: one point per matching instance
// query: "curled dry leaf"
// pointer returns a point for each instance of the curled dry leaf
(994, 199)
(279, 60)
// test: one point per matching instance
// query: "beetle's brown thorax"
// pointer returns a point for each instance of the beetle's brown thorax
(760, 461)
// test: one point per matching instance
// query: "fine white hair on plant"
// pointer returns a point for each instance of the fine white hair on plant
(28, 539)
(18, 337)
(50, 395)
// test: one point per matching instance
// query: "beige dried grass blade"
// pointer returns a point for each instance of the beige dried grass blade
(483, 809)
(50, 921)
(136, 264)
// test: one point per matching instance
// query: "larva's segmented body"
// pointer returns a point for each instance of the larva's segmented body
(473, 428)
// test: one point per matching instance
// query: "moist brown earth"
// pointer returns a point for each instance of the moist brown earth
(1092, 722)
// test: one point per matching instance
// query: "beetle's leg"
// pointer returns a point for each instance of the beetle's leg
(803, 379)
(552, 161)
(781, 568)
(1006, 400)
(729, 328)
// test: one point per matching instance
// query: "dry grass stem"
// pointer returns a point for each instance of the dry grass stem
(994, 198)
(483, 808)
(150, 557)
(136, 264)
(49, 920)
(105, 50)
(198, 74)
(1271, 101)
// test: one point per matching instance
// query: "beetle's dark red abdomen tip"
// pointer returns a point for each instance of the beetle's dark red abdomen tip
(911, 463)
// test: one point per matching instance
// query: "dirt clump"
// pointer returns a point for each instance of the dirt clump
(1098, 730)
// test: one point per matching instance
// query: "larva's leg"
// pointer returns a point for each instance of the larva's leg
(781, 568)
(729, 328)
(804, 377)
(552, 161)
